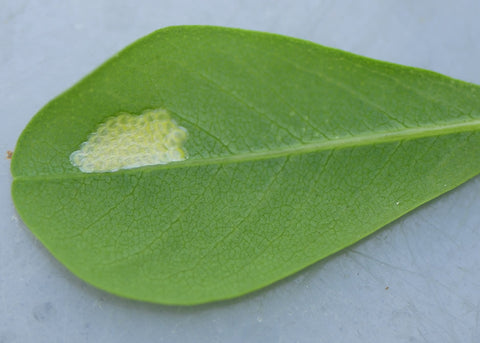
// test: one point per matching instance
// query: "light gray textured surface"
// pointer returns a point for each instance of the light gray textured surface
(418, 280)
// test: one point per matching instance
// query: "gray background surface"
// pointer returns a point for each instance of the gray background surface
(418, 280)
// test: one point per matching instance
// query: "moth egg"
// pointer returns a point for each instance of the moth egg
(130, 141)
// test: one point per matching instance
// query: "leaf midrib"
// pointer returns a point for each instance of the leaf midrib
(337, 143)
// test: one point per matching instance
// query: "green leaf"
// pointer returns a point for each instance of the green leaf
(295, 151)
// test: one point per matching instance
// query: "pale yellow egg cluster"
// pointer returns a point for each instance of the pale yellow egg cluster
(130, 141)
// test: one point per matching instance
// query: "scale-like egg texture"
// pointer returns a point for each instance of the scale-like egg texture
(131, 141)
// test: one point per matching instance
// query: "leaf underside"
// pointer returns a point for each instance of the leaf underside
(295, 152)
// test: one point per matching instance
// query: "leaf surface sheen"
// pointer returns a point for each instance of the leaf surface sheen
(295, 152)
